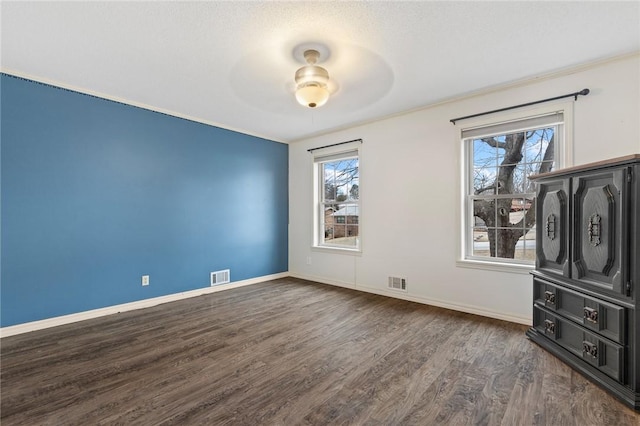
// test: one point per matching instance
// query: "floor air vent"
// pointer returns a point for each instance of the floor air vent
(220, 277)
(398, 283)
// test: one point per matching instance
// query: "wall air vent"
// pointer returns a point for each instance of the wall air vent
(220, 277)
(397, 283)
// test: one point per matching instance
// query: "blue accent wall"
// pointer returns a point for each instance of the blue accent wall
(96, 194)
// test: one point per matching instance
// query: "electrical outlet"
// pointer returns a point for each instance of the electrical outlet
(309, 260)
(145, 280)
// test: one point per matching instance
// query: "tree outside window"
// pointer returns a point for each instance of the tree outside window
(500, 196)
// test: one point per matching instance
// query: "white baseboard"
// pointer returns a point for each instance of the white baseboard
(140, 304)
(425, 301)
(323, 280)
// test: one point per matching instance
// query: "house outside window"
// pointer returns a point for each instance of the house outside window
(499, 198)
(338, 200)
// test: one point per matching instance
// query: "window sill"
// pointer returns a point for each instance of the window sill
(337, 250)
(495, 266)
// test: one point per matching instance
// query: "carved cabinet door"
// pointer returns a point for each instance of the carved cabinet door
(599, 229)
(552, 232)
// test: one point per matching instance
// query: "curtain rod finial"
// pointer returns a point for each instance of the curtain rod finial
(583, 92)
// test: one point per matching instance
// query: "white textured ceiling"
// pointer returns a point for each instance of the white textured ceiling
(232, 63)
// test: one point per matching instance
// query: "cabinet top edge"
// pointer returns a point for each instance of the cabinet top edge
(626, 159)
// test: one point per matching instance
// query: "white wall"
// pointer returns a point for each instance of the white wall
(410, 191)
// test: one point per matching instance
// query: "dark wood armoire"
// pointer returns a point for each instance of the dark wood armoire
(586, 289)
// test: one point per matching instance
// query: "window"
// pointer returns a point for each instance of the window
(499, 218)
(338, 200)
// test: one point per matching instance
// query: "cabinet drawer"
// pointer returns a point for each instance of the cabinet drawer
(601, 353)
(602, 317)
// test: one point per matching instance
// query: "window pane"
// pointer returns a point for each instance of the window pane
(518, 211)
(340, 179)
(483, 181)
(328, 232)
(537, 144)
(340, 231)
(504, 244)
(484, 211)
(481, 242)
(503, 212)
(527, 246)
(483, 154)
(530, 186)
(328, 173)
(511, 149)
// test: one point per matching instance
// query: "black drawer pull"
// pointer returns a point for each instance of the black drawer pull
(591, 315)
(549, 327)
(549, 298)
(590, 349)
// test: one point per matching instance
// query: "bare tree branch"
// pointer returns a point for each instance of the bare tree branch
(494, 143)
(486, 188)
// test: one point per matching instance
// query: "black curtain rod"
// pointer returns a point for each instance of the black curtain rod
(583, 92)
(334, 144)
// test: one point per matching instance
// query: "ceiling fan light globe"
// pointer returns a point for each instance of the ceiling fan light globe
(312, 95)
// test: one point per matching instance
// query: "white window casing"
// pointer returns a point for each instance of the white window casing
(337, 218)
(558, 116)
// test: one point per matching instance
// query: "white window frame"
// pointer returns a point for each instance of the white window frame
(320, 156)
(563, 157)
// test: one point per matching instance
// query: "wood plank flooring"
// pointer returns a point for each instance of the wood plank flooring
(293, 352)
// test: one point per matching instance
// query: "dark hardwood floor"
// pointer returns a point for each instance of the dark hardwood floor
(291, 352)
